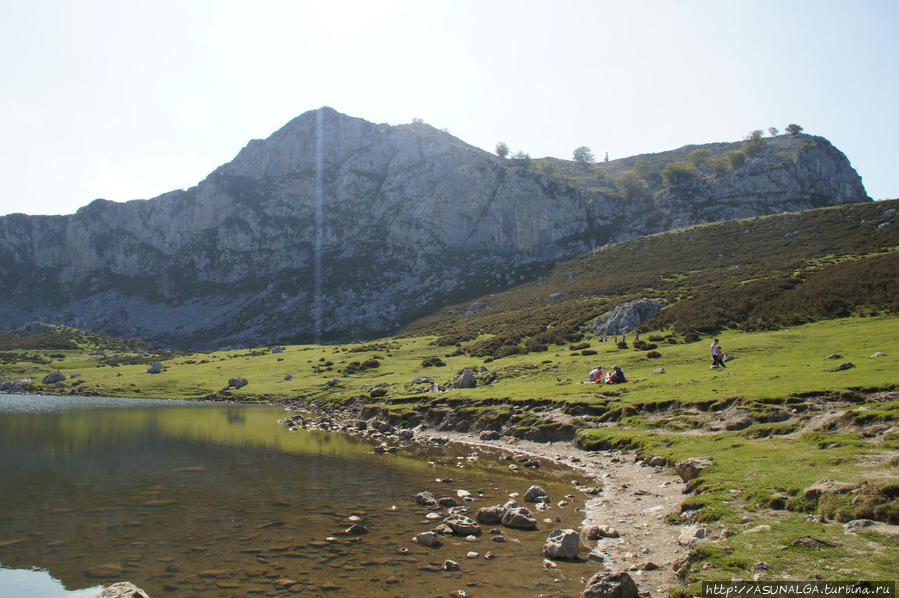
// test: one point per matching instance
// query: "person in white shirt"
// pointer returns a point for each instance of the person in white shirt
(717, 355)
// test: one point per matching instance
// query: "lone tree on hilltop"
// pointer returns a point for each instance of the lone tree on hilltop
(773, 131)
(502, 150)
(794, 129)
(583, 156)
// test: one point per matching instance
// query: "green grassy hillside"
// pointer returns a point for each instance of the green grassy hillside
(759, 273)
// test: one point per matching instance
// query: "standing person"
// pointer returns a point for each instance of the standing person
(636, 335)
(717, 355)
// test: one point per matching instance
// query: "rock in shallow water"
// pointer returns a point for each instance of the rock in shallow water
(561, 544)
(123, 589)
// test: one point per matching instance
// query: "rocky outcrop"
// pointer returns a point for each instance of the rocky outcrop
(335, 227)
(626, 317)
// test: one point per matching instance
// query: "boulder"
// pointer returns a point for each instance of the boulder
(237, 382)
(123, 589)
(490, 515)
(490, 435)
(154, 368)
(689, 469)
(333, 381)
(54, 377)
(536, 494)
(518, 518)
(846, 365)
(467, 379)
(610, 585)
(462, 525)
(405, 435)
(561, 544)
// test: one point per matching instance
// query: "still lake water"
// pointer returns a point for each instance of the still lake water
(192, 499)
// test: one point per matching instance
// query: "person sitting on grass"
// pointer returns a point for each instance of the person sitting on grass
(616, 376)
(595, 376)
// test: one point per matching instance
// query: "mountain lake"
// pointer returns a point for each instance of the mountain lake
(206, 499)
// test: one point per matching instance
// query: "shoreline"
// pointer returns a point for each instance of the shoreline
(635, 499)
(634, 502)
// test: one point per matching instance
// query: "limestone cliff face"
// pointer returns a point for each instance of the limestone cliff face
(336, 227)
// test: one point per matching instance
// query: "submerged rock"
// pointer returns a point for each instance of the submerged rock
(427, 539)
(536, 494)
(462, 525)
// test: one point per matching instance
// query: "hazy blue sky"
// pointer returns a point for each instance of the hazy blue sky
(130, 99)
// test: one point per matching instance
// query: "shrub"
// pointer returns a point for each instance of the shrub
(549, 169)
(753, 143)
(506, 350)
(676, 173)
(653, 355)
(432, 362)
(719, 166)
(601, 175)
(699, 158)
(736, 159)
(632, 187)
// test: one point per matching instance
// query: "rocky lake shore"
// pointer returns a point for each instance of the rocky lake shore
(624, 533)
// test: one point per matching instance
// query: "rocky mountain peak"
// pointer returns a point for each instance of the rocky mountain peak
(335, 226)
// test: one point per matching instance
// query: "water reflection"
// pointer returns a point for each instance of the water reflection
(196, 500)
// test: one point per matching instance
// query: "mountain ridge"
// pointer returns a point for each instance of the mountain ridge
(399, 219)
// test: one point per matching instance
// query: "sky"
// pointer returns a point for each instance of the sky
(129, 100)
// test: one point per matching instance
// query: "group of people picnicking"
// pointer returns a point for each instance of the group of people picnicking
(615, 375)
